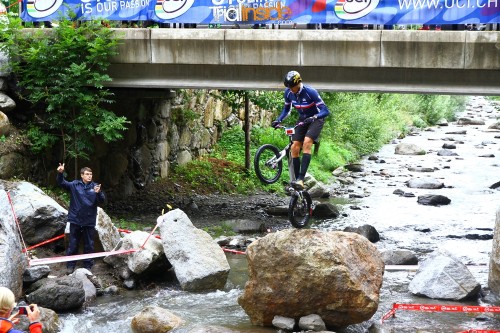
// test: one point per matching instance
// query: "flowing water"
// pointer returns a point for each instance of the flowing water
(401, 222)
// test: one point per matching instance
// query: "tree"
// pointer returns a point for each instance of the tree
(238, 99)
(61, 72)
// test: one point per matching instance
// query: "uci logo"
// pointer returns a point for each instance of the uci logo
(42, 8)
(169, 9)
(354, 9)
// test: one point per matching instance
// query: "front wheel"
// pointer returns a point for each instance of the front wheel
(266, 164)
(300, 209)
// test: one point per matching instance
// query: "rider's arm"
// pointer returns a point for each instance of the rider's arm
(287, 107)
(323, 109)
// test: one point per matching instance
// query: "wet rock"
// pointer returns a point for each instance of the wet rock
(326, 210)
(446, 152)
(154, 319)
(12, 260)
(495, 185)
(442, 122)
(198, 261)
(470, 121)
(89, 288)
(408, 149)
(271, 289)
(49, 319)
(461, 132)
(355, 167)
(7, 104)
(138, 262)
(312, 322)
(449, 146)
(284, 323)
(433, 200)
(479, 237)
(495, 126)
(420, 169)
(442, 276)
(35, 273)
(61, 294)
(399, 257)
(426, 183)
(367, 231)
(4, 124)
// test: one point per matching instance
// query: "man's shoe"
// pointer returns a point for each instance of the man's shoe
(298, 184)
(70, 270)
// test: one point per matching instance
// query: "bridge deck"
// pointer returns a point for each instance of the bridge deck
(406, 61)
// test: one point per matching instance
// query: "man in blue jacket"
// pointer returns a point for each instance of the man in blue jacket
(82, 213)
(312, 113)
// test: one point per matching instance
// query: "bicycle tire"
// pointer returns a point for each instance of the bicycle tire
(267, 170)
(300, 209)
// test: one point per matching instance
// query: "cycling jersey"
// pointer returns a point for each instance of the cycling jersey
(307, 102)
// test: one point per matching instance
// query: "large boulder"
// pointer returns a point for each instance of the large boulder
(425, 182)
(108, 234)
(494, 273)
(7, 104)
(198, 261)
(138, 262)
(408, 149)
(61, 294)
(442, 276)
(12, 260)
(154, 319)
(295, 273)
(40, 217)
(4, 124)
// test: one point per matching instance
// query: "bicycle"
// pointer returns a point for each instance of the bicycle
(268, 165)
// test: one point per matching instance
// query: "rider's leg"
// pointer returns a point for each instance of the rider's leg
(306, 157)
(296, 146)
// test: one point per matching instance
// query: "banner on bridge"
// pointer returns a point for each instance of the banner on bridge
(224, 12)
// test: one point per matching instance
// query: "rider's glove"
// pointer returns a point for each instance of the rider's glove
(309, 120)
(275, 124)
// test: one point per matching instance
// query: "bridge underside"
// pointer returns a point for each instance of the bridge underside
(335, 79)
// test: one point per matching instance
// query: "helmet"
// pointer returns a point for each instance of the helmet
(292, 78)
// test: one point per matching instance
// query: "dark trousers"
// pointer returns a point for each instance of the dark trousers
(76, 233)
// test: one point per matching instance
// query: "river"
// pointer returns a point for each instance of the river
(401, 222)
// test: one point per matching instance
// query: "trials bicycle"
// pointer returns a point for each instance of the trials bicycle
(268, 165)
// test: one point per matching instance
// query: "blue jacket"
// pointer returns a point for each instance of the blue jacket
(83, 202)
(307, 102)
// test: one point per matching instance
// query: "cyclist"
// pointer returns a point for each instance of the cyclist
(312, 112)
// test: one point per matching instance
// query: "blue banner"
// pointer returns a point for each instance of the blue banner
(383, 12)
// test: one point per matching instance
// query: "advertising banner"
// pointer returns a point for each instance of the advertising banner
(222, 12)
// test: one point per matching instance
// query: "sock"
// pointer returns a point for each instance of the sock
(296, 166)
(306, 158)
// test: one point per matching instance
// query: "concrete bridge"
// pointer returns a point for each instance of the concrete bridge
(402, 61)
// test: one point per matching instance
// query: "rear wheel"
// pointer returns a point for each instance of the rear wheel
(300, 209)
(267, 167)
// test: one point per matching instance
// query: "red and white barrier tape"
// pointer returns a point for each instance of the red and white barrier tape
(443, 308)
(53, 260)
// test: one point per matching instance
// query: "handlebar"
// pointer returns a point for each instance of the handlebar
(284, 127)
